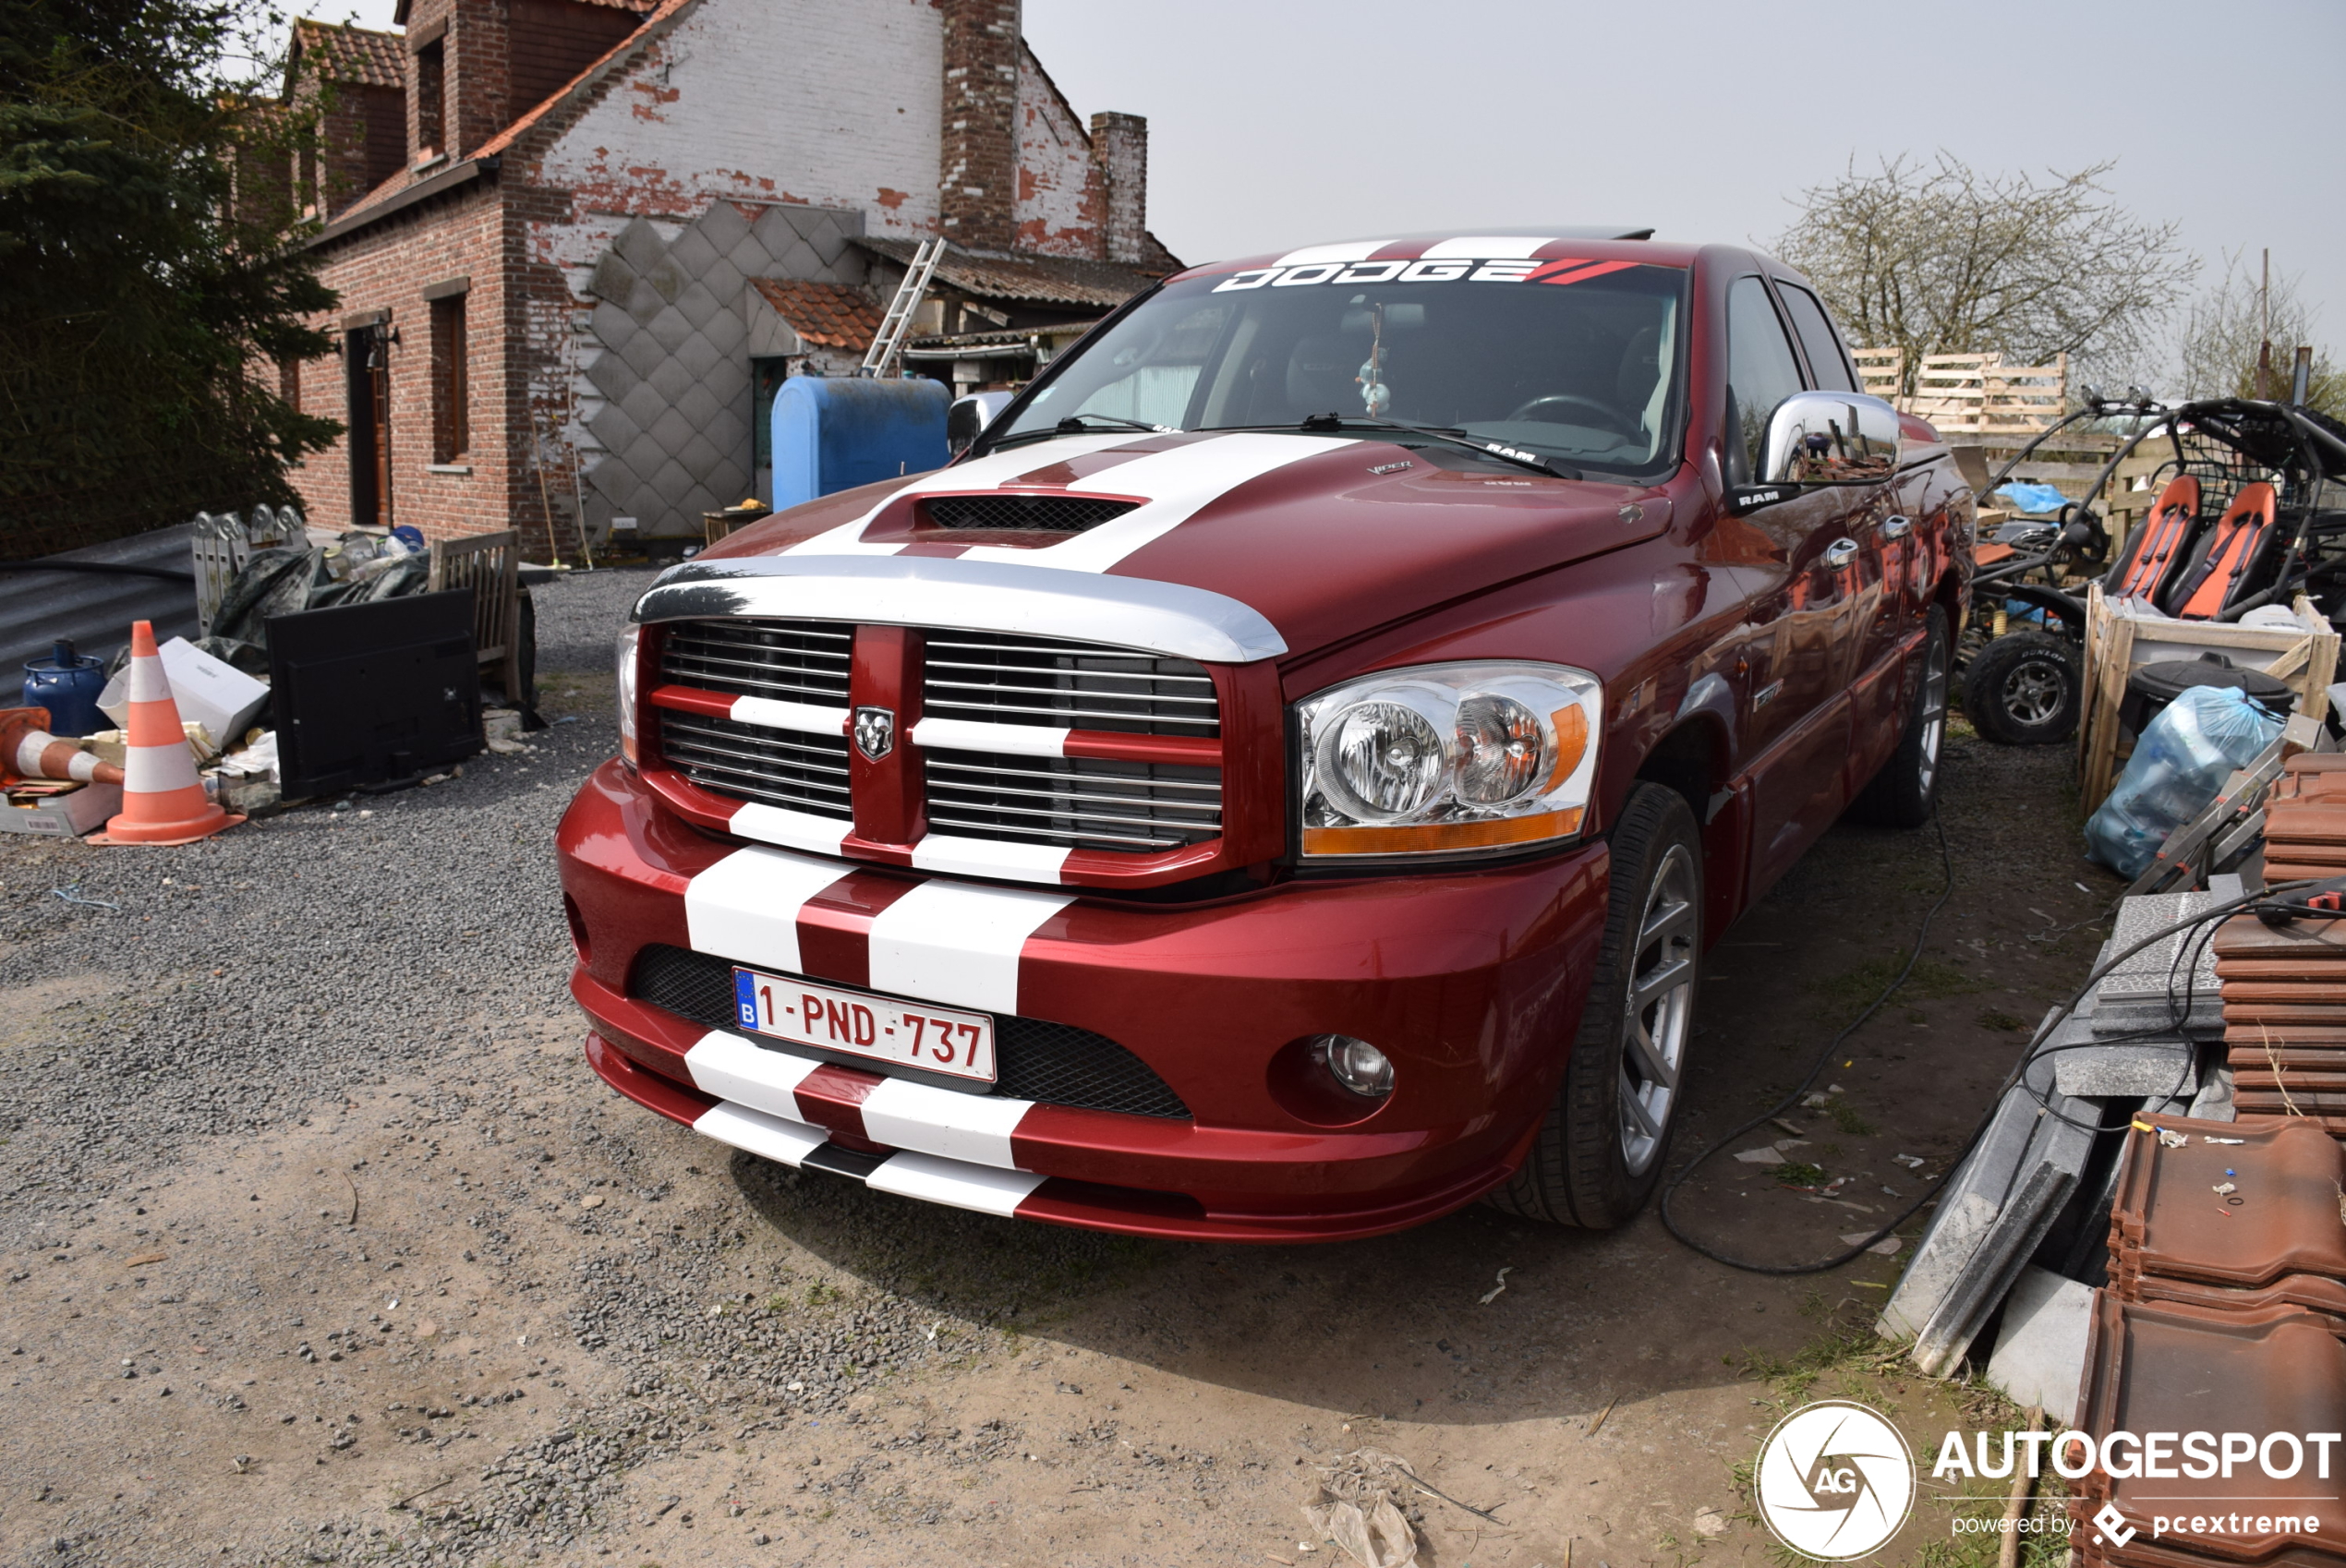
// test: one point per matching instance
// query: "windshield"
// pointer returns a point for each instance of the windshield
(1573, 361)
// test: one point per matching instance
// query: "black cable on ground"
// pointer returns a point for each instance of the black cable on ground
(2210, 917)
(1670, 1191)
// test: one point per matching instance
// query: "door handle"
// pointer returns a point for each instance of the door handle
(1840, 553)
(1898, 527)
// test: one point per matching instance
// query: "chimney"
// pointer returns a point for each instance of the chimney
(1120, 148)
(457, 91)
(977, 164)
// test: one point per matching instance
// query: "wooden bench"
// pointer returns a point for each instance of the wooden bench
(489, 564)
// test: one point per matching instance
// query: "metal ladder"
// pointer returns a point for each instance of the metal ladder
(889, 342)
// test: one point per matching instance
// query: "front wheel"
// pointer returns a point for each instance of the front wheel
(1599, 1149)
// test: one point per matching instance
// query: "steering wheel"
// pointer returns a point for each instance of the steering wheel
(1608, 419)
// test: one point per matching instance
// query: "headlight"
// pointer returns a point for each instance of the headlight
(629, 645)
(1448, 757)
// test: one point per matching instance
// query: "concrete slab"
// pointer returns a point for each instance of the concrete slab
(1964, 1238)
(2041, 1352)
(2136, 1069)
(2214, 1100)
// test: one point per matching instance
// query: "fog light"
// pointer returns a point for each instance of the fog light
(1356, 1065)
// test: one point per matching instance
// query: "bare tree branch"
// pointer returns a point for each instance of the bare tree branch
(1939, 259)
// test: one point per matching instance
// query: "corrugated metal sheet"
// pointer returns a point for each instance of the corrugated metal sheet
(1045, 280)
(39, 604)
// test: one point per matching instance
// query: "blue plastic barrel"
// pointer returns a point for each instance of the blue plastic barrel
(832, 433)
(68, 684)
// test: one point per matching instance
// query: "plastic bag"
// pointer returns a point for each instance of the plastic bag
(2179, 764)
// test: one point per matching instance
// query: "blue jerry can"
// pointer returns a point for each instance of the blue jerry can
(832, 433)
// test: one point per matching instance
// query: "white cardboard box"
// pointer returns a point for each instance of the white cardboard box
(68, 815)
(219, 696)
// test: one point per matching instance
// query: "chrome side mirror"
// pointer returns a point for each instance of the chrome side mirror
(970, 415)
(1830, 438)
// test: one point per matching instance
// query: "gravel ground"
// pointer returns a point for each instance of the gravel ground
(320, 1244)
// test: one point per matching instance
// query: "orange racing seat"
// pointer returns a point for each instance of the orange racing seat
(2230, 555)
(2161, 545)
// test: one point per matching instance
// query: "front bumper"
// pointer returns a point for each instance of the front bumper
(1471, 981)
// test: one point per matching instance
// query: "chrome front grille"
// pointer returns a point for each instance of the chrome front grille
(778, 767)
(1076, 803)
(1003, 678)
(791, 661)
(1113, 805)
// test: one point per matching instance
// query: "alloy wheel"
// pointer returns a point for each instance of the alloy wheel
(2035, 691)
(1659, 1009)
(1934, 721)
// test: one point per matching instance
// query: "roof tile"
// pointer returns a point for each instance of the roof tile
(355, 54)
(831, 315)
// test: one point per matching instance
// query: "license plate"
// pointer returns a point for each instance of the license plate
(939, 1039)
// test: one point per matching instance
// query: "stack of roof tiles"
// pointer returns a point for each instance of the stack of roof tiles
(2225, 1312)
(2284, 991)
(2306, 818)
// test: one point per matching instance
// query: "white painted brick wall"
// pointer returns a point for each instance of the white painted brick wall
(1054, 211)
(831, 102)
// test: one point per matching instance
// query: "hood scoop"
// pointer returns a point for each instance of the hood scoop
(1000, 512)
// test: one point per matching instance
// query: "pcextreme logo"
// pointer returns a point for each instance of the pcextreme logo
(1836, 1480)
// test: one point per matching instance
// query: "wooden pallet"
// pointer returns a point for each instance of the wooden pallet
(2119, 640)
(1881, 372)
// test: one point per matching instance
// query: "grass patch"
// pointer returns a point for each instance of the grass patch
(1854, 990)
(2001, 1022)
(1845, 1116)
(1792, 1173)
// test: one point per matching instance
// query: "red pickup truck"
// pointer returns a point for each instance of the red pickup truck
(1279, 782)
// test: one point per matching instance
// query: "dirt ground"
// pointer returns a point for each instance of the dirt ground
(493, 1313)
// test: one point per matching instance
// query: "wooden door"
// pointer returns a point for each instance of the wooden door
(367, 353)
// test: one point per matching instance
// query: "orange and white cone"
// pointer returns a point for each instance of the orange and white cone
(163, 801)
(29, 750)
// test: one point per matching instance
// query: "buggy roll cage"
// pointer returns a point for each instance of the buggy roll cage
(2302, 447)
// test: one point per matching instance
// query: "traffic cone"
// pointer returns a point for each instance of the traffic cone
(163, 801)
(29, 750)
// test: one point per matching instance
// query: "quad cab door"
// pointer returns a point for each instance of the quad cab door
(1883, 585)
(1811, 604)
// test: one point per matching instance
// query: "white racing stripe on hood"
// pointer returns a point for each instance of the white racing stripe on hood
(992, 471)
(1178, 485)
(1173, 486)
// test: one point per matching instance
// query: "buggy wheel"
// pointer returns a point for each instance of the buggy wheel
(2023, 690)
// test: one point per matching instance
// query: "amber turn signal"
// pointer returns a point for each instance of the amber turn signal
(1423, 836)
(1572, 743)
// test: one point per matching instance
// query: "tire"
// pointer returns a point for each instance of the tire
(2024, 690)
(1599, 1149)
(1903, 793)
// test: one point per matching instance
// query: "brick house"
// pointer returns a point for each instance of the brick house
(578, 242)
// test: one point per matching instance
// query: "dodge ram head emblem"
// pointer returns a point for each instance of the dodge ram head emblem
(875, 731)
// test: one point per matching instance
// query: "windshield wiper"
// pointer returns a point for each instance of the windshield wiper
(1080, 424)
(1329, 424)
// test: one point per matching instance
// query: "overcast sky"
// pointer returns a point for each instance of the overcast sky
(1274, 123)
